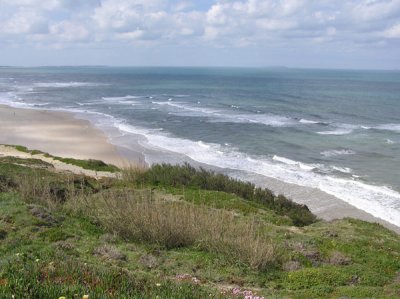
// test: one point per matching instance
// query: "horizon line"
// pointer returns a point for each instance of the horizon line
(205, 66)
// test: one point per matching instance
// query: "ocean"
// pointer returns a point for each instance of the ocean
(333, 130)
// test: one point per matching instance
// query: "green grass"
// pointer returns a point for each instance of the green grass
(49, 262)
(90, 164)
(24, 149)
(50, 248)
(227, 201)
(26, 162)
(183, 176)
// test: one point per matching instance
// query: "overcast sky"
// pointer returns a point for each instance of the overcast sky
(294, 33)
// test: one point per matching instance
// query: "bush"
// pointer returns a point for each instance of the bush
(138, 216)
(91, 164)
(187, 176)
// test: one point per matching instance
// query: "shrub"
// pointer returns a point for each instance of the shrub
(91, 164)
(188, 176)
(172, 224)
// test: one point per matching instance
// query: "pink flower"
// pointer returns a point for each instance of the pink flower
(236, 291)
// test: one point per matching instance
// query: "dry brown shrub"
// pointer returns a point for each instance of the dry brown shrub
(138, 215)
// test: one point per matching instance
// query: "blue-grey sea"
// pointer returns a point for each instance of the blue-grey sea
(334, 130)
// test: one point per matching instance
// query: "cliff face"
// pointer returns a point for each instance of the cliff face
(178, 232)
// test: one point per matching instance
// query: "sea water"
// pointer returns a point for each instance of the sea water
(334, 130)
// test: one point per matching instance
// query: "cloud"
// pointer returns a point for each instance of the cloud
(24, 22)
(375, 10)
(224, 23)
(392, 32)
(67, 31)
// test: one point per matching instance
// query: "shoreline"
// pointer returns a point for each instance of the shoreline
(64, 134)
(58, 133)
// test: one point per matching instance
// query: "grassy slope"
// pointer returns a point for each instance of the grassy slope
(51, 249)
(91, 164)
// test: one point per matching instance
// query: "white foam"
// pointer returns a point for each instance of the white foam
(265, 119)
(380, 201)
(336, 132)
(343, 129)
(306, 121)
(221, 115)
(65, 84)
(204, 145)
(196, 111)
(388, 127)
(390, 141)
(287, 161)
(333, 153)
(13, 100)
(342, 169)
(124, 98)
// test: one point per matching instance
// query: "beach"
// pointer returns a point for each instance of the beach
(62, 134)
(57, 133)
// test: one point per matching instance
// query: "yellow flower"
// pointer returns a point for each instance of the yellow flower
(62, 297)
(85, 297)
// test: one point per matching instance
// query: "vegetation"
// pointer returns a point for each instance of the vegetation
(24, 149)
(162, 233)
(172, 224)
(187, 176)
(90, 164)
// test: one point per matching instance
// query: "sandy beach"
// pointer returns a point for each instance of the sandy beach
(62, 134)
(57, 133)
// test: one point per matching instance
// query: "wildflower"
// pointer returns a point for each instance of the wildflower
(158, 284)
(195, 280)
(62, 297)
(37, 260)
(236, 291)
(248, 293)
(85, 297)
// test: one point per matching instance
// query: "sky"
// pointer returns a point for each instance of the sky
(353, 34)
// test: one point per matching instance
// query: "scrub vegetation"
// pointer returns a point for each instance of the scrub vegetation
(178, 232)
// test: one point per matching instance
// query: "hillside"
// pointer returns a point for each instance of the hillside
(177, 232)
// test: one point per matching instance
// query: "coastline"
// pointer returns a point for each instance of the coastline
(62, 134)
(58, 133)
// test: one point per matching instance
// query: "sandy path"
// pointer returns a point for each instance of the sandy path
(8, 151)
